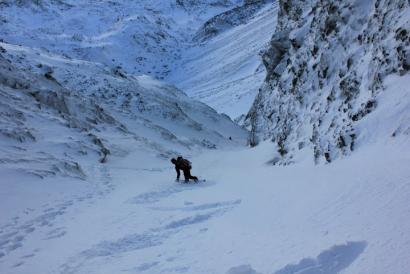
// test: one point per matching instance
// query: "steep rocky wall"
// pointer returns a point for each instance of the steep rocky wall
(325, 69)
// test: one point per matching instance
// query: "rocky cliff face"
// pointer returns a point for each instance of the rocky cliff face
(325, 70)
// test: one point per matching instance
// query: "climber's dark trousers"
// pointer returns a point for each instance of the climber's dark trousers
(187, 175)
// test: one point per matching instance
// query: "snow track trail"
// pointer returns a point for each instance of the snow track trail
(46, 221)
(303, 219)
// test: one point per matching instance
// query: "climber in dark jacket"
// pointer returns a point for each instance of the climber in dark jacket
(184, 165)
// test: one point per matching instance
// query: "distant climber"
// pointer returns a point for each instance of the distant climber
(184, 165)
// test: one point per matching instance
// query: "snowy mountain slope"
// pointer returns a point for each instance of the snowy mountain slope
(86, 186)
(33, 110)
(155, 38)
(226, 71)
(248, 217)
(141, 37)
(65, 118)
(65, 125)
(326, 70)
(94, 102)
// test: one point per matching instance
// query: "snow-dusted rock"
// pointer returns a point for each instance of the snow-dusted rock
(228, 19)
(326, 68)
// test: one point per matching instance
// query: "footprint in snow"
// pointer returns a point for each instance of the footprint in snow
(155, 196)
(150, 238)
(189, 206)
(13, 235)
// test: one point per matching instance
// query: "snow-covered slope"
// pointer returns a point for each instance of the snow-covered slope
(86, 186)
(226, 71)
(101, 107)
(248, 217)
(156, 38)
(327, 66)
(65, 123)
(141, 37)
(71, 106)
